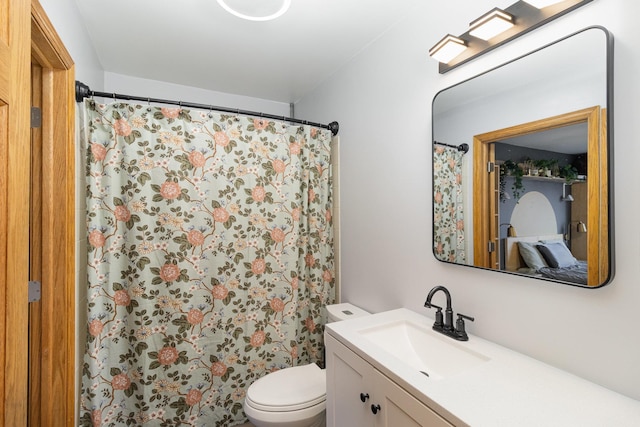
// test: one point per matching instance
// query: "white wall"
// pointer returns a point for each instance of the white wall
(382, 100)
(128, 85)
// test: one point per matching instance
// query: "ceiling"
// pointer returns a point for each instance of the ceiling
(197, 43)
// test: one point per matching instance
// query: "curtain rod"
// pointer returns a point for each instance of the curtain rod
(83, 91)
(462, 147)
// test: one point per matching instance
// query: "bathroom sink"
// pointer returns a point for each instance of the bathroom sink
(433, 354)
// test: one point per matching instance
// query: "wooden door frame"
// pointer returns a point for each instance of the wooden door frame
(56, 406)
(597, 187)
(33, 38)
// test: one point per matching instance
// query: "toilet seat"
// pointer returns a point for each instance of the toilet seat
(290, 389)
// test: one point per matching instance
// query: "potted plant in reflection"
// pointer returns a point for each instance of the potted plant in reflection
(510, 168)
(569, 173)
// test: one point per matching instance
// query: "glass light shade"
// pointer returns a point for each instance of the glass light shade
(447, 48)
(541, 4)
(253, 10)
(491, 24)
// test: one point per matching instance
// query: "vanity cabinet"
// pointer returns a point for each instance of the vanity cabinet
(360, 395)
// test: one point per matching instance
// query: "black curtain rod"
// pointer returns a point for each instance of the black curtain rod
(83, 91)
(462, 147)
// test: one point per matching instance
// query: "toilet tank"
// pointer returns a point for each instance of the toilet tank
(344, 311)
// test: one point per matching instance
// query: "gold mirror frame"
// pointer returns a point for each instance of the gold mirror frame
(485, 200)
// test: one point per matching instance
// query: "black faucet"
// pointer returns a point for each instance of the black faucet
(446, 327)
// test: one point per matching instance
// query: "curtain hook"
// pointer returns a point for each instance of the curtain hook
(210, 111)
(149, 104)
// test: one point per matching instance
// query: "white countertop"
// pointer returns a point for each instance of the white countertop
(510, 389)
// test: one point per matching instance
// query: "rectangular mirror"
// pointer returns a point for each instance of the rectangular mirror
(521, 161)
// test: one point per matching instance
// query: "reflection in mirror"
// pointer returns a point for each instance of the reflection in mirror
(531, 196)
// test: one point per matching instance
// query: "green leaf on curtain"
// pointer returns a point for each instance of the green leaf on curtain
(143, 262)
(143, 178)
(141, 347)
(118, 201)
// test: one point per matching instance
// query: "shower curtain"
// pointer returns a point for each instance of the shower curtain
(448, 206)
(210, 260)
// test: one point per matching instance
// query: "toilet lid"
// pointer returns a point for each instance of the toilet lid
(289, 389)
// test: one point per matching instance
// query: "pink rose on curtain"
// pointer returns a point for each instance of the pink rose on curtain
(122, 128)
(218, 369)
(98, 151)
(437, 197)
(197, 159)
(167, 355)
(96, 417)
(193, 396)
(221, 139)
(327, 276)
(277, 235)
(258, 193)
(195, 316)
(220, 215)
(120, 382)
(122, 213)
(258, 266)
(260, 124)
(278, 166)
(195, 237)
(219, 292)
(95, 327)
(257, 339)
(170, 113)
(310, 324)
(294, 148)
(169, 272)
(309, 260)
(276, 304)
(121, 297)
(96, 239)
(170, 190)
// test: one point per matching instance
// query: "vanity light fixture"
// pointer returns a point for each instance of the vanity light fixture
(252, 10)
(541, 4)
(491, 24)
(447, 48)
(518, 19)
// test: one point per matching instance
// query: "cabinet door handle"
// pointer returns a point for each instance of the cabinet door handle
(364, 397)
(375, 409)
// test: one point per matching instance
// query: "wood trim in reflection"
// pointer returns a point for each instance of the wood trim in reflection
(597, 207)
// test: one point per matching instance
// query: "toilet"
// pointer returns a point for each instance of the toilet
(294, 397)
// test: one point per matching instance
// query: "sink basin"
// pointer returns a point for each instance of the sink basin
(435, 355)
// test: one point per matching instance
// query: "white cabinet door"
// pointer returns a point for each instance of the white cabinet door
(348, 376)
(358, 395)
(399, 408)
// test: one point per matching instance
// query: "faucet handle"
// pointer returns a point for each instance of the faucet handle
(438, 324)
(460, 329)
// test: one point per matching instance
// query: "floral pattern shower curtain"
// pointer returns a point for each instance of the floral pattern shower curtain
(448, 206)
(210, 260)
